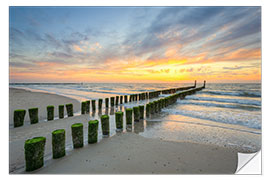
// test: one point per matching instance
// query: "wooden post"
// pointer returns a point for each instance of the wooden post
(105, 124)
(129, 116)
(117, 100)
(136, 113)
(77, 135)
(92, 131)
(58, 143)
(121, 99)
(112, 101)
(34, 153)
(141, 108)
(33, 114)
(87, 107)
(93, 105)
(119, 120)
(100, 104)
(83, 107)
(107, 102)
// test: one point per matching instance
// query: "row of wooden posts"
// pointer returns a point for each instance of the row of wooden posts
(19, 114)
(35, 147)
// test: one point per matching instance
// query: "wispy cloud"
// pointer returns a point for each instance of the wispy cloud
(158, 42)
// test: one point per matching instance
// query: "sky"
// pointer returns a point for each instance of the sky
(135, 44)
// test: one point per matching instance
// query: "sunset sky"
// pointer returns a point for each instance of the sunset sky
(135, 44)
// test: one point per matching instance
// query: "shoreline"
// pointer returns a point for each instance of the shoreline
(17, 136)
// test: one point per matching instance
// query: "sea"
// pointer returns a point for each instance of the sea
(224, 114)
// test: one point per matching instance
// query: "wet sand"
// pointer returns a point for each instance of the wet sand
(130, 153)
(125, 153)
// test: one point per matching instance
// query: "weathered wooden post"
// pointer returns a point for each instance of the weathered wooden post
(61, 111)
(83, 107)
(93, 105)
(93, 131)
(58, 143)
(195, 84)
(126, 98)
(112, 101)
(77, 135)
(204, 84)
(116, 100)
(159, 105)
(121, 99)
(155, 106)
(100, 104)
(69, 108)
(141, 108)
(33, 114)
(148, 109)
(50, 113)
(105, 124)
(87, 107)
(34, 153)
(119, 120)
(107, 102)
(129, 116)
(136, 112)
(152, 107)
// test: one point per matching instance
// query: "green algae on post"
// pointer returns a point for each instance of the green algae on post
(58, 143)
(136, 112)
(83, 107)
(105, 124)
(34, 153)
(129, 116)
(152, 108)
(77, 135)
(141, 108)
(107, 102)
(33, 114)
(119, 120)
(93, 131)
(87, 111)
(50, 113)
(93, 105)
(69, 108)
(61, 111)
(18, 117)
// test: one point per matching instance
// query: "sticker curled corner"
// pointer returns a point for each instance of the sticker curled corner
(249, 163)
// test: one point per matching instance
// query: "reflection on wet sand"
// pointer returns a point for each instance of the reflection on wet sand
(112, 111)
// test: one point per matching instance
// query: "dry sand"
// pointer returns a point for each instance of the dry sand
(124, 153)
(24, 99)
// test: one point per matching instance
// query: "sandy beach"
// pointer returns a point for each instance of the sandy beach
(24, 99)
(122, 153)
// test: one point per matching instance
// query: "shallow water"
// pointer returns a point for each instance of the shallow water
(222, 114)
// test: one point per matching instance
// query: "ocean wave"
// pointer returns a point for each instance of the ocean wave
(225, 117)
(221, 105)
(237, 101)
(232, 93)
